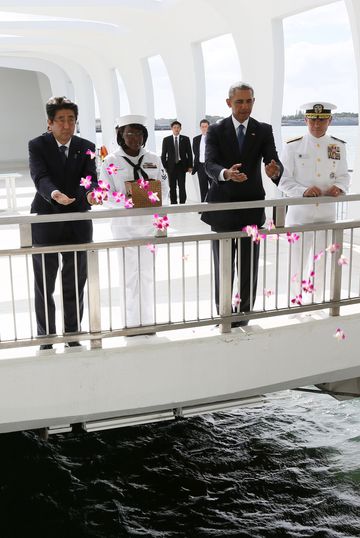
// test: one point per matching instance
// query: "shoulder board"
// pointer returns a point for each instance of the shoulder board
(294, 139)
(338, 139)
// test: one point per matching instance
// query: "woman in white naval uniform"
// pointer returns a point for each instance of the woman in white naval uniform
(133, 161)
(314, 165)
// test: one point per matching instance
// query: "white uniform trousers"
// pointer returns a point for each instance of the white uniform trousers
(136, 273)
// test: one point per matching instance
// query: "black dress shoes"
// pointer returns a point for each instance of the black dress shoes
(72, 344)
(45, 347)
(142, 334)
(235, 324)
(241, 323)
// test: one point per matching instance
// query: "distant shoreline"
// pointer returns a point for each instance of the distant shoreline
(163, 124)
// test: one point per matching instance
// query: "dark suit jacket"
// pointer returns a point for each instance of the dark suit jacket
(196, 150)
(168, 153)
(222, 151)
(49, 174)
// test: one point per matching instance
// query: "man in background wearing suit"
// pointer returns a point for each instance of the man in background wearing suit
(198, 146)
(58, 160)
(235, 148)
(177, 159)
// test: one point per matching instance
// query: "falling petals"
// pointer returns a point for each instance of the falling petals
(112, 169)
(297, 300)
(307, 286)
(292, 237)
(253, 232)
(104, 185)
(99, 195)
(294, 277)
(186, 257)
(151, 247)
(153, 197)
(319, 255)
(236, 299)
(274, 237)
(91, 153)
(268, 293)
(333, 248)
(270, 225)
(119, 196)
(339, 334)
(85, 182)
(143, 184)
(343, 260)
(161, 223)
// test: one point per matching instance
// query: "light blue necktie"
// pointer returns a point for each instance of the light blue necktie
(241, 136)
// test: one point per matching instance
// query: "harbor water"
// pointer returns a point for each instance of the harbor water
(287, 468)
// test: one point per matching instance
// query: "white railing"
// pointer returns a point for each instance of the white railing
(182, 278)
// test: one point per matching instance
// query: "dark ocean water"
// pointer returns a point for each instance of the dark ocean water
(290, 468)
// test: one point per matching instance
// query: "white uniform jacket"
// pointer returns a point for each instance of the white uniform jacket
(310, 161)
(130, 227)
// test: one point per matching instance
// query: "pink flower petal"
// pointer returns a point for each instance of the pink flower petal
(143, 184)
(91, 153)
(343, 260)
(292, 237)
(319, 255)
(161, 223)
(104, 185)
(268, 293)
(339, 334)
(119, 196)
(151, 247)
(85, 182)
(112, 169)
(153, 197)
(333, 248)
(297, 300)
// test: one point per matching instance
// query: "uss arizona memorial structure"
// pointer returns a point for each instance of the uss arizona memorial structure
(186, 368)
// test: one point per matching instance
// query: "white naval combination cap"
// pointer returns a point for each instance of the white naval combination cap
(318, 109)
(131, 119)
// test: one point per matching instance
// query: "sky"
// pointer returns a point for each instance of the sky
(319, 64)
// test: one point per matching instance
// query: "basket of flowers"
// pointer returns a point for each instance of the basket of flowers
(144, 193)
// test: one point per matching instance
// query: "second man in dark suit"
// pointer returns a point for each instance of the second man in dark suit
(235, 148)
(177, 159)
(199, 160)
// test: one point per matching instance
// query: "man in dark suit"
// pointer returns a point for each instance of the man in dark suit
(177, 159)
(235, 148)
(58, 160)
(198, 146)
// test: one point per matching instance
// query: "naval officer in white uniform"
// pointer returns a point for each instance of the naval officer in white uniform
(133, 161)
(314, 165)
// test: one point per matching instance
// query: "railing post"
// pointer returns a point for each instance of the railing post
(94, 296)
(280, 214)
(225, 275)
(25, 235)
(336, 271)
